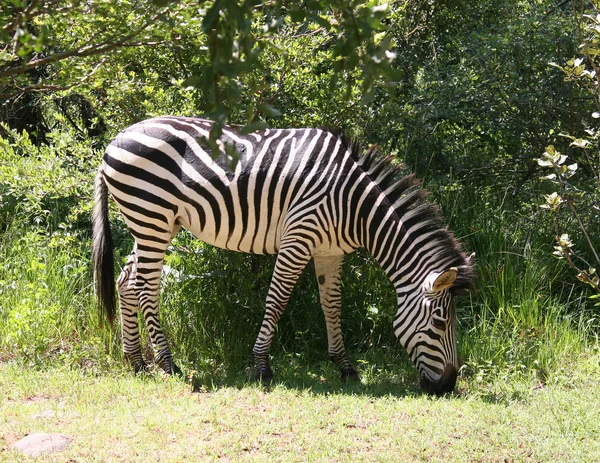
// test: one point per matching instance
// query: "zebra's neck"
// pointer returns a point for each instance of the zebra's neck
(399, 228)
(410, 246)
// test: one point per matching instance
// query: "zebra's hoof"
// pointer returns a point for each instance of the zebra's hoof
(140, 367)
(350, 374)
(175, 370)
(170, 368)
(265, 376)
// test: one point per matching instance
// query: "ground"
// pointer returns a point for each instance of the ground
(122, 418)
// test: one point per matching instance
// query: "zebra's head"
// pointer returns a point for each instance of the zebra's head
(426, 326)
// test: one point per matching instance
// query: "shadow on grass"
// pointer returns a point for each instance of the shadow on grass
(383, 376)
(380, 377)
(506, 396)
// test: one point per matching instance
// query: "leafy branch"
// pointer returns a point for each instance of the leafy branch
(579, 196)
(19, 91)
(91, 49)
(569, 195)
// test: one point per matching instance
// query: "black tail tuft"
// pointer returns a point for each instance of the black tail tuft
(102, 250)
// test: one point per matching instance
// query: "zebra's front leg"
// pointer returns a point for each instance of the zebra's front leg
(147, 285)
(329, 270)
(289, 265)
(129, 304)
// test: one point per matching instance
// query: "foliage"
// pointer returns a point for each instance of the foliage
(576, 200)
(575, 205)
(45, 300)
(463, 93)
(48, 185)
(45, 286)
(55, 45)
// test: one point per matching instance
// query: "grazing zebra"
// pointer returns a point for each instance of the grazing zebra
(300, 193)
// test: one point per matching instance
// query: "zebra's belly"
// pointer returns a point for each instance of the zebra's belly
(239, 238)
(265, 240)
(331, 251)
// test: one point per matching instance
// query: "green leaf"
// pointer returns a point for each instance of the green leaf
(194, 81)
(253, 127)
(269, 110)
(297, 15)
(211, 16)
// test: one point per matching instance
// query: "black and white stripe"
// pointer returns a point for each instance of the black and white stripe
(300, 193)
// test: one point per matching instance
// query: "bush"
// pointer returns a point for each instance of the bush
(46, 186)
(574, 204)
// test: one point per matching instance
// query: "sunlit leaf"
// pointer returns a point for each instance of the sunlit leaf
(580, 143)
(269, 110)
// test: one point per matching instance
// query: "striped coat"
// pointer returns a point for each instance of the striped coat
(300, 193)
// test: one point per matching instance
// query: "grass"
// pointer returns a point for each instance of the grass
(305, 417)
(46, 300)
(528, 390)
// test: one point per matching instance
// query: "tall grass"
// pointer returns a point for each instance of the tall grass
(47, 309)
(213, 304)
(522, 320)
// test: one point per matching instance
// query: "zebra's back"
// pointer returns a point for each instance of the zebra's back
(163, 175)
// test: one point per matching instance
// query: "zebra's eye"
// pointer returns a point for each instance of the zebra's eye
(439, 323)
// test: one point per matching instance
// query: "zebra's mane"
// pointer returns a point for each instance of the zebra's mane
(405, 194)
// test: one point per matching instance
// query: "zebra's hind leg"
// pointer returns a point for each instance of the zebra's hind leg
(149, 263)
(129, 304)
(290, 263)
(329, 270)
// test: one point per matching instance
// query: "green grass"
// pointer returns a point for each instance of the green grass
(46, 300)
(528, 389)
(305, 417)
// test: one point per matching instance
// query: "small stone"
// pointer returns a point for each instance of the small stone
(40, 442)
(46, 414)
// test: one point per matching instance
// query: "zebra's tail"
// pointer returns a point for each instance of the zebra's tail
(102, 250)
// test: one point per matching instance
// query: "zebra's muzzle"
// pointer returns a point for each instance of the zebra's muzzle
(444, 384)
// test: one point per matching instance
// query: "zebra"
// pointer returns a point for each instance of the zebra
(299, 193)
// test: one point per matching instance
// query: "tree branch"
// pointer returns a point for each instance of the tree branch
(89, 50)
(55, 88)
(20, 18)
(583, 229)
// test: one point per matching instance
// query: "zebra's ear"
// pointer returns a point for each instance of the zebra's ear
(437, 281)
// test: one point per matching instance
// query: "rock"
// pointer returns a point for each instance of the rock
(46, 414)
(38, 443)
